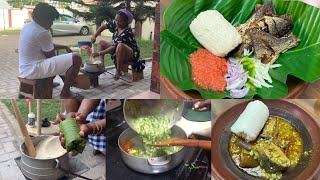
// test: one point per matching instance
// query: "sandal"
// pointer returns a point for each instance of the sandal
(45, 122)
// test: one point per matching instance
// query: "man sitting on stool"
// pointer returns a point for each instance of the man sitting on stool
(37, 57)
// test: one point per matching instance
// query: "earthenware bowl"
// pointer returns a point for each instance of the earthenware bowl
(309, 128)
(168, 90)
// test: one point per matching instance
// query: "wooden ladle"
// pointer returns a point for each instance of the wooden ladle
(184, 142)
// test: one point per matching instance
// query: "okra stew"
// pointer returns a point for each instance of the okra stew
(278, 146)
(151, 129)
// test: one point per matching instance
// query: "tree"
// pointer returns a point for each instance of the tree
(106, 10)
(22, 3)
(102, 9)
(141, 10)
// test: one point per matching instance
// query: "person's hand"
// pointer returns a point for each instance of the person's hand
(95, 54)
(93, 39)
(84, 132)
(28, 101)
(80, 118)
(59, 118)
(201, 106)
(68, 49)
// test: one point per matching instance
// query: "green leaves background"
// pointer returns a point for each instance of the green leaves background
(177, 43)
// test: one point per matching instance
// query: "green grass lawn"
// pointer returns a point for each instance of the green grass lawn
(49, 108)
(10, 32)
(146, 49)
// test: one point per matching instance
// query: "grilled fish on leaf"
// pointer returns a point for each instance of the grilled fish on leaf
(268, 47)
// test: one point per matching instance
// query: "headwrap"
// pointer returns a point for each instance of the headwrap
(128, 14)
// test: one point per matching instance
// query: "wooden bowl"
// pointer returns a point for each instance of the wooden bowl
(169, 91)
(223, 167)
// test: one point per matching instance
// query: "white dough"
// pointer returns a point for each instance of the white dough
(49, 148)
(215, 33)
(251, 121)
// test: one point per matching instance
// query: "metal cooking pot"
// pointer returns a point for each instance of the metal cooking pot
(90, 67)
(42, 168)
(135, 108)
(150, 165)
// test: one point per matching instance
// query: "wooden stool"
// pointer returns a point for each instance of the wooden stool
(136, 76)
(36, 88)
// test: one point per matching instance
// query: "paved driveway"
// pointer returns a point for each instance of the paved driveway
(108, 88)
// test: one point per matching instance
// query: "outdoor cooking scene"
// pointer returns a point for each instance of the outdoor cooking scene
(159, 139)
(257, 49)
(53, 139)
(266, 139)
(83, 49)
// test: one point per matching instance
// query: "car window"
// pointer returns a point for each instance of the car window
(67, 18)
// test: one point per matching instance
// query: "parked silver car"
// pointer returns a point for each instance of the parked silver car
(66, 25)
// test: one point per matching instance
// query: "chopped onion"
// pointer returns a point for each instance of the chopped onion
(236, 79)
(239, 93)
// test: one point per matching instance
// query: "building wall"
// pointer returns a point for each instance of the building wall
(18, 17)
(4, 22)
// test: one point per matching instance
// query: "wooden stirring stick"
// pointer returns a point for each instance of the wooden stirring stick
(92, 50)
(23, 129)
(39, 117)
(30, 106)
(184, 142)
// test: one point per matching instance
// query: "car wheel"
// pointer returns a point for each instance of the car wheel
(84, 31)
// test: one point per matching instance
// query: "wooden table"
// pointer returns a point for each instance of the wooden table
(312, 106)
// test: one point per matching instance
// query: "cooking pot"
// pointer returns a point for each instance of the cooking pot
(149, 165)
(135, 108)
(92, 67)
(42, 168)
(308, 167)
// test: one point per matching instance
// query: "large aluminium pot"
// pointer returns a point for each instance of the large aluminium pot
(42, 168)
(153, 165)
(135, 108)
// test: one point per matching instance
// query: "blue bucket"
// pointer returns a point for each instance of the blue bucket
(83, 43)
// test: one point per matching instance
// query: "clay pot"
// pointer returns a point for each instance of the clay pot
(308, 127)
(169, 91)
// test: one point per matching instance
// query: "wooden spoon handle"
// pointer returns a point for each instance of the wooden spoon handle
(193, 143)
(26, 137)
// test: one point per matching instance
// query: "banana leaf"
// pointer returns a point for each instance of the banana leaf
(177, 43)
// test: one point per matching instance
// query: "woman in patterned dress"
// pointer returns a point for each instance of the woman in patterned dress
(124, 47)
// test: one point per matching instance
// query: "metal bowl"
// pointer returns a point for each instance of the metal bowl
(135, 108)
(152, 165)
(84, 43)
(42, 168)
(91, 67)
(308, 167)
